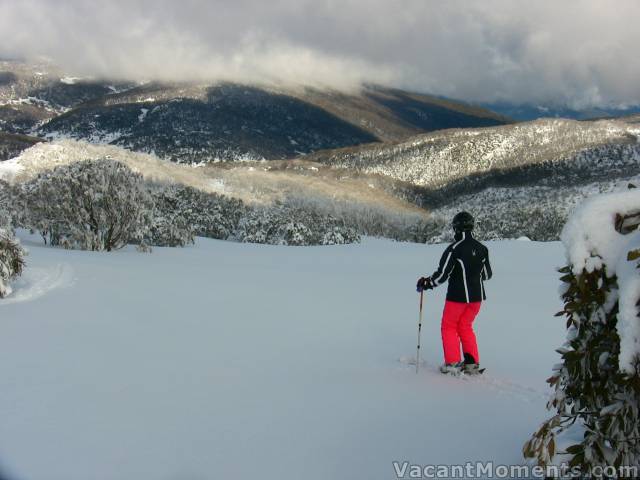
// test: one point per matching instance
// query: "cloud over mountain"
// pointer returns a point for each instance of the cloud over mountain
(579, 52)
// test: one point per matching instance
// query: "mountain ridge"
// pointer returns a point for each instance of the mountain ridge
(226, 121)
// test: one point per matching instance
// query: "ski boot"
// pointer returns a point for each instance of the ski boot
(472, 369)
(470, 366)
(454, 369)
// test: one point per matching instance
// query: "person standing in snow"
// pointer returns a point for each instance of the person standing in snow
(465, 264)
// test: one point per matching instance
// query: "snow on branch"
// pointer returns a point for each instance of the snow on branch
(11, 260)
(597, 385)
(594, 235)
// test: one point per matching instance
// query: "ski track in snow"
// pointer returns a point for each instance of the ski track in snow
(501, 386)
(39, 281)
(508, 388)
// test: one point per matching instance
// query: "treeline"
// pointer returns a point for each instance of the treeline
(103, 205)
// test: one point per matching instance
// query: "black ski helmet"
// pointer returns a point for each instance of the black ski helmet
(462, 222)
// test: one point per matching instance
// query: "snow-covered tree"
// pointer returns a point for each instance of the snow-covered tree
(182, 212)
(260, 225)
(209, 214)
(8, 210)
(296, 233)
(90, 205)
(11, 252)
(11, 260)
(280, 224)
(597, 385)
(339, 235)
(169, 227)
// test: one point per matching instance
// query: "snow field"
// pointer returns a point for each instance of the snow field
(228, 360)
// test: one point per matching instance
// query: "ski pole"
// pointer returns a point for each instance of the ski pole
(419, 331)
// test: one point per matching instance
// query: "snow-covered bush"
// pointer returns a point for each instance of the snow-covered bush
(339, 236)
(11, 260)
(169, 227)
(182, 212)
(90, 205)
(284, 225)
(436, 229)
(8, 205)
(169, 230)
(209, 214)
(11, 252)
(536, 223)
(296, 233)
(362, 217)
(597, 385)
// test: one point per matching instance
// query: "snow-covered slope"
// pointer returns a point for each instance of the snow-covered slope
(518, 179)
(33, 93)
(255, 182)
(439, 159)
(11, 145)
(229, 360)
(48, 155)
(193, 122)
(199, 122)
(536, 211)
(318, 187)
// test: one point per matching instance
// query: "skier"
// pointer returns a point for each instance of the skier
(465, 263)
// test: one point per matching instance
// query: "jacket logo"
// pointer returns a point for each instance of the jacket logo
(473, 252)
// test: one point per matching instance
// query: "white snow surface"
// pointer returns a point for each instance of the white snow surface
(143, 114)
(589, 235)
(70, 80)
(628, 325)
(592, 242)
(9, 169)
(228, 360)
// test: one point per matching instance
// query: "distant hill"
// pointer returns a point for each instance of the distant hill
(359, 200)
(517, 180)
(399, 162)
(228, 122)
(533, 112)
(236, 122)
(392, 114)
(200, 122)
(451, 162)
(11, 144)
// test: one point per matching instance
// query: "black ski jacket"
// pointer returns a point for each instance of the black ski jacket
(465, 263)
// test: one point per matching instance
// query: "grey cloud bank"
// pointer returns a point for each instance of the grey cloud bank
(578, 53)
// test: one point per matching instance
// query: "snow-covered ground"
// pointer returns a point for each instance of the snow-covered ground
(228, 360)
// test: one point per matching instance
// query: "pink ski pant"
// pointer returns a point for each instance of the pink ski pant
(457, 328)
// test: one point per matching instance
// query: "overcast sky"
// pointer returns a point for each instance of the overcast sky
(577, 52)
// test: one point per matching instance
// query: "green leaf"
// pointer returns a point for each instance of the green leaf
(566, 278)
(575, 449)
(633, 255)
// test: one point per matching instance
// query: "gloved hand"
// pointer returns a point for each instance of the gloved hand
(424, 283)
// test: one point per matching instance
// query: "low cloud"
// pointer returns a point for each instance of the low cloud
(579, 53)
